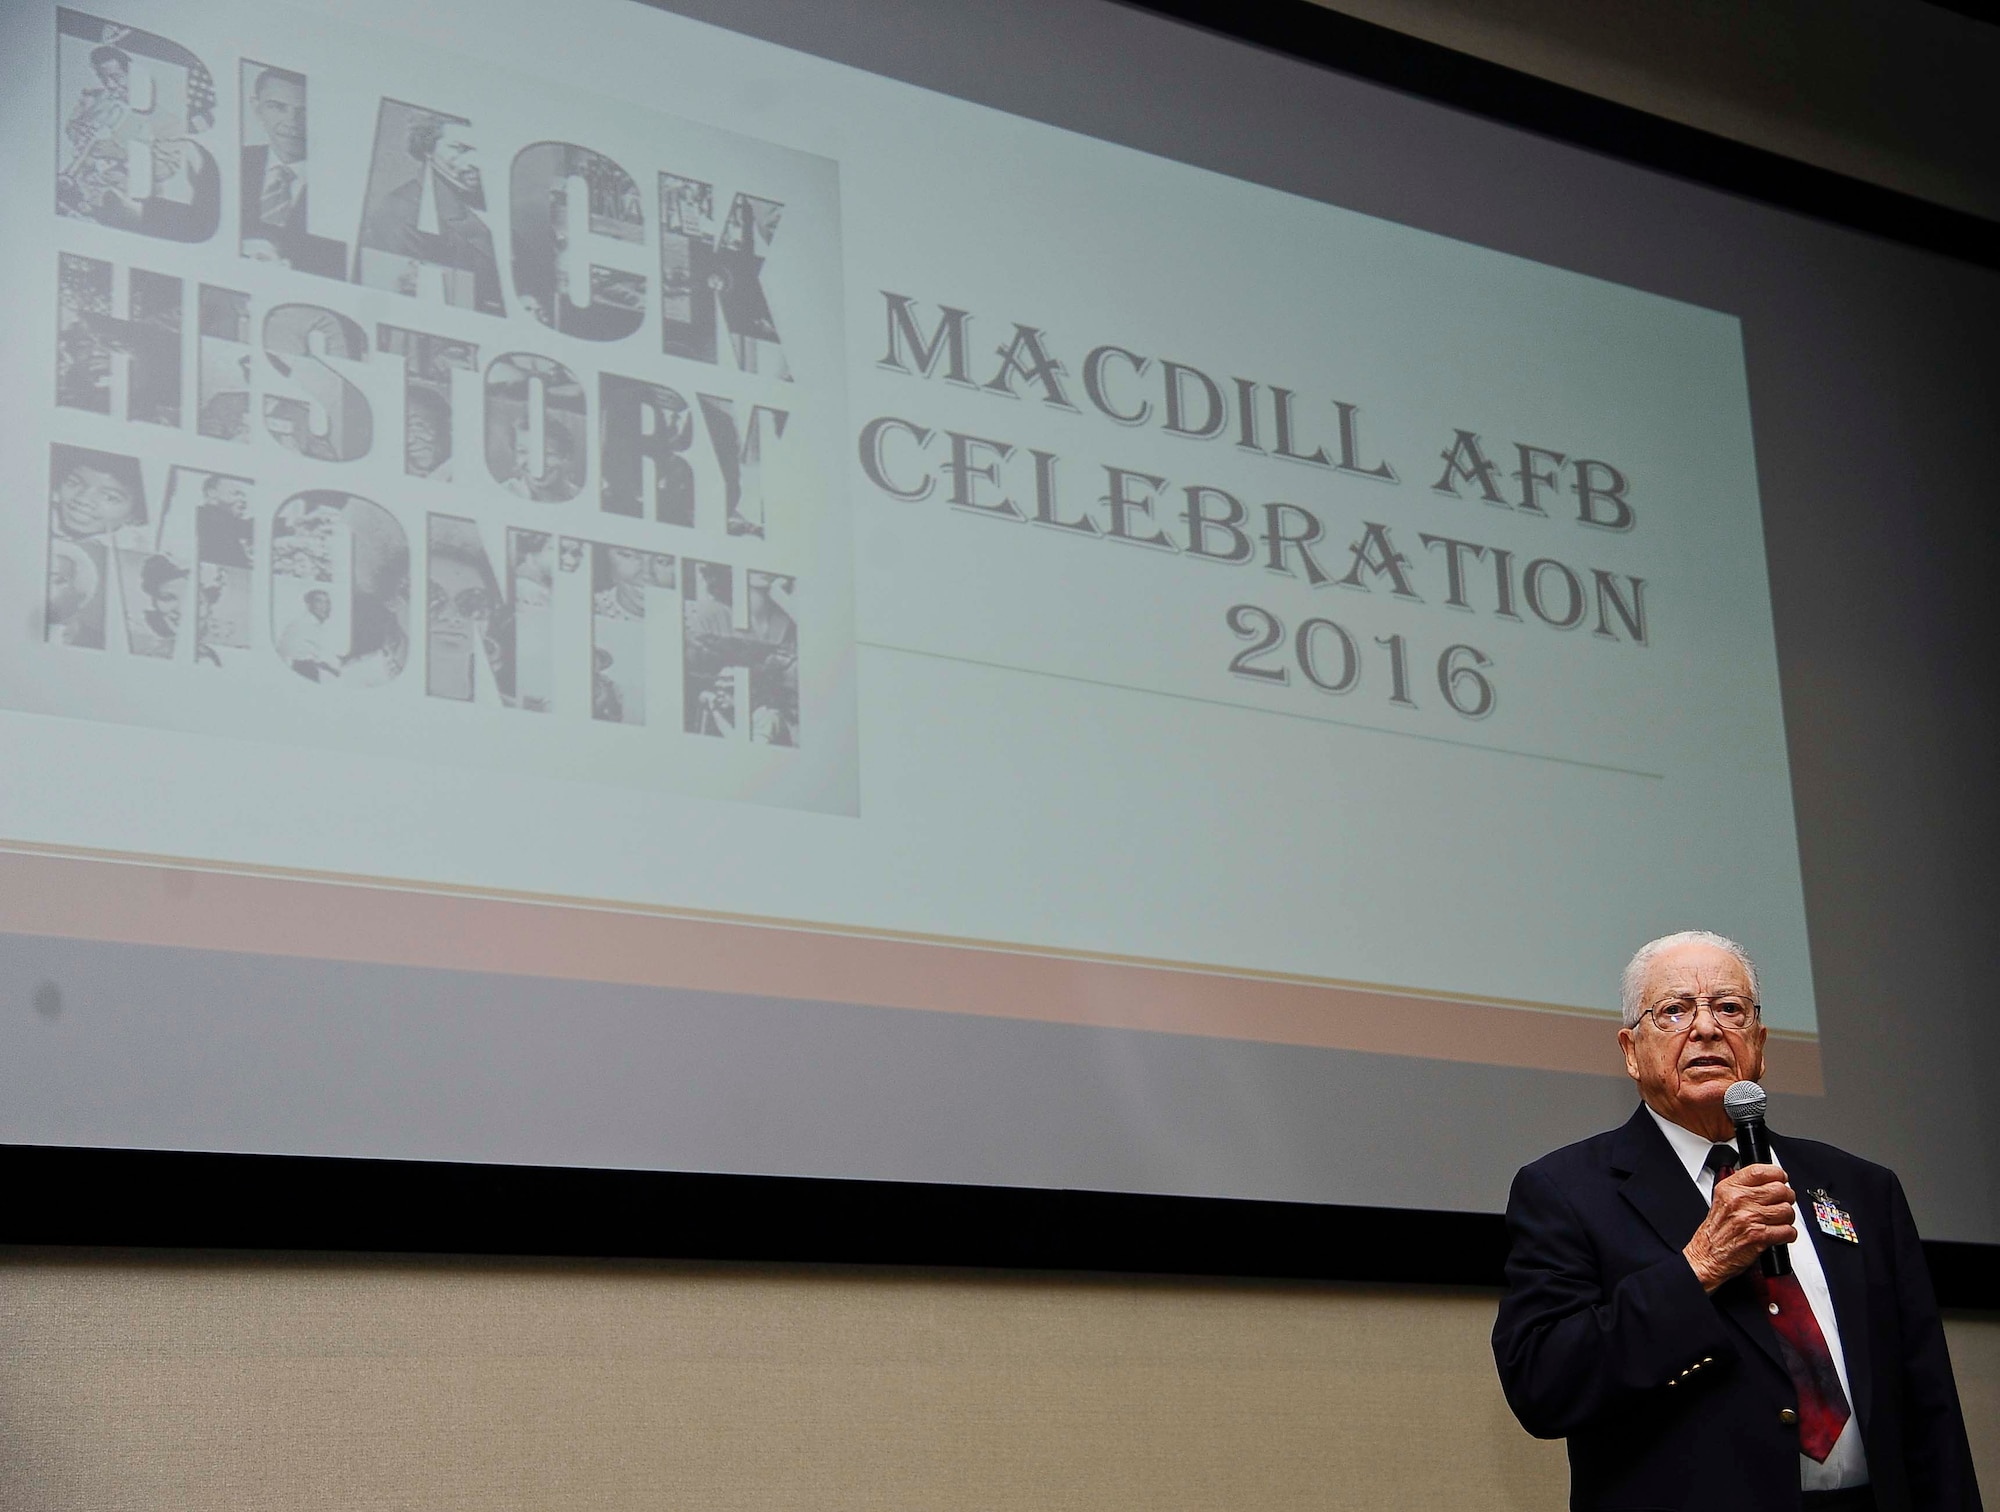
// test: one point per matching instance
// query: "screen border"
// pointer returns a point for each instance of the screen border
(1381, 55)
(80, 1197)
(190, 1200)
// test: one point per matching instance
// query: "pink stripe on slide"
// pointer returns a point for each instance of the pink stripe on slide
(142, 902)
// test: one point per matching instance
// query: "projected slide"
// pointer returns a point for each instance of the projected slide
(605, 498)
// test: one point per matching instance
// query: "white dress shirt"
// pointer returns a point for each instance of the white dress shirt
(1847, 1462)
(305, 640)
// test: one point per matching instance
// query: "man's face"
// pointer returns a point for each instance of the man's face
(115, 76)
(90, 502)
(420, 446)
(167, 600)
(320, 606)
(1683, 1074)
(65, 591)
(229, 496)
(456, 156)
(281, 108)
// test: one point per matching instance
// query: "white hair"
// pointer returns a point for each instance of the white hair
(1632, 985)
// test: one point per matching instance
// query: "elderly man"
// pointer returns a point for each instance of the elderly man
(1637, 1323)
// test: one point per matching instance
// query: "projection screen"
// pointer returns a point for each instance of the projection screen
(1091, 607)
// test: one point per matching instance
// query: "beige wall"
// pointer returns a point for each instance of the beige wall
(133, 1383)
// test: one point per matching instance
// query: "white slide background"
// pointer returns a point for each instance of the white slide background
(1046, 746)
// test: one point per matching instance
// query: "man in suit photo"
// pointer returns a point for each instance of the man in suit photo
(432, 220)
(1639, 1325)
(276, 179)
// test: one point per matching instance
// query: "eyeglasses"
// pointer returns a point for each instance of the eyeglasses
(1679, 1014)
(471, 603)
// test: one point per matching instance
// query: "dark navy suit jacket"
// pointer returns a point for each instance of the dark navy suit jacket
(1670, 1397)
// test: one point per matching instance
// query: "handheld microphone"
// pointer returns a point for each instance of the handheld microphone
(1745, 1102)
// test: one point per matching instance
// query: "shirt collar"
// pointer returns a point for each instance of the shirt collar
(1691, 1148)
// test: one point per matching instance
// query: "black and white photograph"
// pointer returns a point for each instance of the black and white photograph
(222, 365)
(774, 677)
(225, 559)
(423, 229)
(736, 672)
(622, 580)
(739, 452)
(157, 579)
(73, 604)
(531, 632)
(155, 589)
(712, 280)
(91, 340)
(315, 411)
(340, 589)
(225, 530)
(645, 431)
(93, 493)
(563, 199)
(130, 106)
(97, 505)
(276, 179)
(314, 292)
(464, 613)
(537, 428)
(708, 629)
(120, 576)
(428, 402)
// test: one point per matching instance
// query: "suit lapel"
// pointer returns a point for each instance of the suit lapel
(1659, 1188)
(1843, 1265)
(1658, 1184)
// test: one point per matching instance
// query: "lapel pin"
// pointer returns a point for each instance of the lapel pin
(1833, 1218)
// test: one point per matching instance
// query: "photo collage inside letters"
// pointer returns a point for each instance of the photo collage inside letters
(137, 114)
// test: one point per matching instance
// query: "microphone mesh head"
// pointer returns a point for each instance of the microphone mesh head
(1744, 1101)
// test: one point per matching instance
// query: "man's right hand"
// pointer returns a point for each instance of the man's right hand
(1752, 1211)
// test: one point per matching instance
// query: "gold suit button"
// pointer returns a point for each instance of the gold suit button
(1708, 1360)
(1787, 1416)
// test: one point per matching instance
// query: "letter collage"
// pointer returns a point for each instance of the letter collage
(180, 560)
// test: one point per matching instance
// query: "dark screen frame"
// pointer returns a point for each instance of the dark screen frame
(1381, 55)
(193, 1200)
(66, 1196)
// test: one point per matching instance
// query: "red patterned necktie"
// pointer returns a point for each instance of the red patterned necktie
(1823, 1409)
